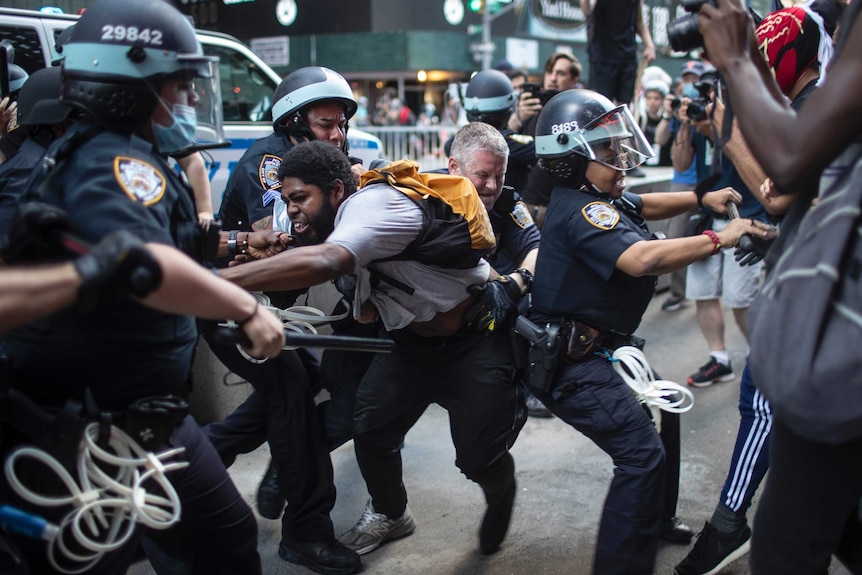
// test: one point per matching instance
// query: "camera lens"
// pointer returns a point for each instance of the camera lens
(696, 110)
(683, 34)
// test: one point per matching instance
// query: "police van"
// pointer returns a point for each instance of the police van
(247, 86)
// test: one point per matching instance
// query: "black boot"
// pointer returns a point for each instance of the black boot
(498, 484)
(270, 501)
(328, 557)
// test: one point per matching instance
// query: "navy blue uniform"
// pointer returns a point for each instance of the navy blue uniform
(124, 351)
(253, 186)
(515, 231)
(14, 174)
(522, 157)
(576, 277)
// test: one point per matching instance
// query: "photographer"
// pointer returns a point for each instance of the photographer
(793, 534)
(562, 71)
(710, 281)
(791, 39)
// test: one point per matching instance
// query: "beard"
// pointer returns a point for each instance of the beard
(320, 225)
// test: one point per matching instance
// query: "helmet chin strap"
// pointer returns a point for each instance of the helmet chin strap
(300, 131)
(592, 188)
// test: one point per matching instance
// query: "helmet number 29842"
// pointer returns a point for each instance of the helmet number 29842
(131, 34)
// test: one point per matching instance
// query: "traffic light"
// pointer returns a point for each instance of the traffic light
(493, 5)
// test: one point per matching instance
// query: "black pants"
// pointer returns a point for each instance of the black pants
(471, 376)
(282, 410)
(592, 397)
(809, 509)
(217, 533)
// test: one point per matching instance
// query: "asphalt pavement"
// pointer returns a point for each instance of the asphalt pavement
(562, 480)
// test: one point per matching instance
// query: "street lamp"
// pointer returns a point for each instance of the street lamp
(490, 9)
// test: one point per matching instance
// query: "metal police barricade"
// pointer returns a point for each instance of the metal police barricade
(422, 144)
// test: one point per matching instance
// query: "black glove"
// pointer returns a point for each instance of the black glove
(497, 302)
(119, 264)
(750, 250)
(33, 234)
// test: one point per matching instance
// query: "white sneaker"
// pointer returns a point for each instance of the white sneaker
(373, 529)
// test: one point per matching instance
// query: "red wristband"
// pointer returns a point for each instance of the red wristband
(716, 243)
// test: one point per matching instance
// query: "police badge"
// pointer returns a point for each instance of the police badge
(140, 181)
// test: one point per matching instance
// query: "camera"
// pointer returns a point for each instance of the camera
(682, 33)
(538, 92)
(696, 109)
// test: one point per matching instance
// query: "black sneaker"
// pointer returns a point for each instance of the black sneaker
(711, 372)
(714, 551)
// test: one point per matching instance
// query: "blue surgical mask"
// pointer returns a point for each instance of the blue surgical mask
(180, 135)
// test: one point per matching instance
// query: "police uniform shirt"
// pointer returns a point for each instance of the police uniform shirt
(515, 231)
(522, 156)
(576, 276)
(253, 187)
(121, 349)
(14, 173)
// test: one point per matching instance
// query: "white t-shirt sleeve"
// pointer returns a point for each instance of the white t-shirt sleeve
(376, 223)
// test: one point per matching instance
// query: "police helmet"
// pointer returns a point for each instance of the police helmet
(39, 104)
(119, 52)
(489, 98)
(306, 86)
(580, 125)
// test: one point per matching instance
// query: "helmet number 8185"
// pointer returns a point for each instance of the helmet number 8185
(131, 34)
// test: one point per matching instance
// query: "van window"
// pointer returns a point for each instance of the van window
(28, 48)
(245, 90)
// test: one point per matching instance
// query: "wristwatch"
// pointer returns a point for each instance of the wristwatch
(231, 243)
(527, 275)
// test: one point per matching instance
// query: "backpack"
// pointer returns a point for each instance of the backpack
(805, 327)
(456, 232)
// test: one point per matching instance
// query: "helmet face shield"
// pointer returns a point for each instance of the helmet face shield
(616, 141)
(210, 126)
(613, 139)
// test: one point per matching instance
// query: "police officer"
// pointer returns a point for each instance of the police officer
(312, 103)
(133, 68)
(596, 273)
(490, 98)
(42, 118)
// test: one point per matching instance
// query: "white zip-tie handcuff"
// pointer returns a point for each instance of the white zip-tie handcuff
(631, 364)
(298, 318)
(105, 504)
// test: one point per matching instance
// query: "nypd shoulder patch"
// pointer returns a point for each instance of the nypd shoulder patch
(601, 215)
(521, 215)
(268, 172)
(140, 180)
